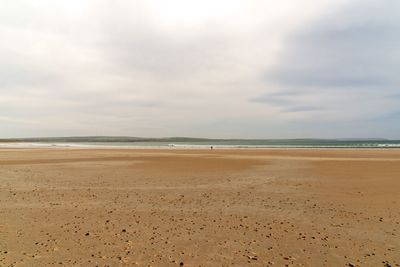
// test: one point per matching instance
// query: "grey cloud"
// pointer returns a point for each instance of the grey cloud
(303, 109)
(354, 48)
(387, 116)
(273, 100)
(160, 56)
(14, 75)
(341, 68)
(395, 96)
(286, 101)
(132, 44)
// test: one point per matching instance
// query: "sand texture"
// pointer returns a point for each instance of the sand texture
(94, 207)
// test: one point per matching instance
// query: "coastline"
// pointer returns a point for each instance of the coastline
(24, 145)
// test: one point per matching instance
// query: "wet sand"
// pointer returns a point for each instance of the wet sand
(87, 207)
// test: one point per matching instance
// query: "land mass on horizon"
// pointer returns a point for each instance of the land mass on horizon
(175, 139)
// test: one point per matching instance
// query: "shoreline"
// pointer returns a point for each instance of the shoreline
(186, 147)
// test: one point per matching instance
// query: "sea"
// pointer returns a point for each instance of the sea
(218, 144)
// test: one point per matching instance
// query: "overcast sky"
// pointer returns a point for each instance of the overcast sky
(228, 68)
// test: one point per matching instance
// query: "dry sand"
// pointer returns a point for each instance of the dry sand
(171, 207)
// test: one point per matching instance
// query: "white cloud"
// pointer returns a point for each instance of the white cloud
(164, 68)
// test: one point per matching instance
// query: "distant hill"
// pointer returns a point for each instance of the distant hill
(105, 139)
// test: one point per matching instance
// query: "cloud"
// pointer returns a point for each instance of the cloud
(291, 102)
(345, 62)
(302, 109)
(155, 68)
(356, 48)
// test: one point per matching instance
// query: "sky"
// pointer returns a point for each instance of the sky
(218, 69)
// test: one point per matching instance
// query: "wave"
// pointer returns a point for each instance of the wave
(206, 145)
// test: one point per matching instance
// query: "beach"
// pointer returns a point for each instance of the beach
(198, 207)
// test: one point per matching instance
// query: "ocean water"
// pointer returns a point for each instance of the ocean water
(262, 144)
(207, 144)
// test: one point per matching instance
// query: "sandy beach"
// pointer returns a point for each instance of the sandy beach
(171, 207)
